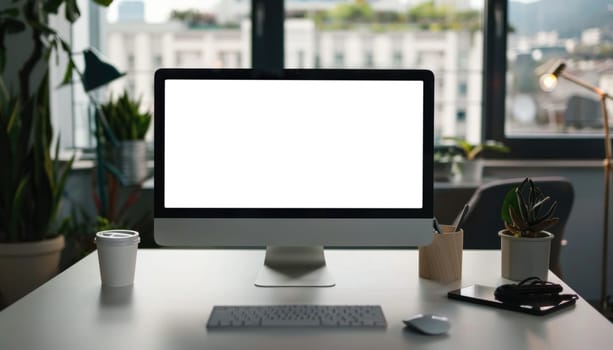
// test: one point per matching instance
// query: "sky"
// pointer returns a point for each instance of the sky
(158, 10)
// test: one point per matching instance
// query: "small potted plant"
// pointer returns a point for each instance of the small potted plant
(525, 244)
(445, 163)
(129, 125)
(471, 166)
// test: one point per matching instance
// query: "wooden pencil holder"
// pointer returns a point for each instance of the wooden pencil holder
(442, 259)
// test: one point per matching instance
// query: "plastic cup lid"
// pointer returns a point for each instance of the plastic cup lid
(117, 237)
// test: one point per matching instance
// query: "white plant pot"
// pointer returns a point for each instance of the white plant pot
(524, 257)
(131, 159)
(472, 170)
(25, 266)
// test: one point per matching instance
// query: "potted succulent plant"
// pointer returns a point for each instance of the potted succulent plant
(525, 244)
(471, 166)
(129, 125)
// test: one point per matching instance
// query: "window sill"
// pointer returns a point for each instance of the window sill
(544, 163)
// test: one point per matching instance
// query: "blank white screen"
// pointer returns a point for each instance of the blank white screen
(293, 144)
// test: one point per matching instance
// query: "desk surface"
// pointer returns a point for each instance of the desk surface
(175, 290)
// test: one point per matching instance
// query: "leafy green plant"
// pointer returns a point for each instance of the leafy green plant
(471, 151)
(31, 16)
(125, 118)
(524, 211)
(31, 182)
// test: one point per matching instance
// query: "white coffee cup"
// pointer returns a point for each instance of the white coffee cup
(117, 256)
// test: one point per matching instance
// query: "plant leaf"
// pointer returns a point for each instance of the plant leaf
(12, 12)
(549, 213)
(522, 209)
(53, 5)
(13, 118)
(68, 74)
(104, 3)
(16, 215)
(492, 145)
(510, 201)
(71, 10)
(541, 202)
(66, 46)
(61, 183)
(543, 225)
(4, 92)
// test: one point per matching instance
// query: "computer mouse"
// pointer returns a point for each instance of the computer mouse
(428, 324)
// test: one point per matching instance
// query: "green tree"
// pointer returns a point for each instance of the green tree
(359, 10)
(193, 17)
(431, 17)
(428, 11)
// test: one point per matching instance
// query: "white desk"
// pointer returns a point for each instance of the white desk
(174, 291)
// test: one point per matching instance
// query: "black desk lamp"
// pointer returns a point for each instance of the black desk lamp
(548, 82)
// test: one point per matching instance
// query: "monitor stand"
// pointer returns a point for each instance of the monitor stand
(303, 266)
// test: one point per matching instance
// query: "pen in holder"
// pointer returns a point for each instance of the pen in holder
(442, 259)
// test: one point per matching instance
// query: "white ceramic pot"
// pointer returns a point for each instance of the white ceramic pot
(524, 257)
(131, 159)
(472, 170)
(26, 265)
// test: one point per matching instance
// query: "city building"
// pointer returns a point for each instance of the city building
(454, 57)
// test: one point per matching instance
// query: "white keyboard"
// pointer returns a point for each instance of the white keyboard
(297, 316)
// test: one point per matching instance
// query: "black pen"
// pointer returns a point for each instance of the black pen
(461, 219)
(437, 227)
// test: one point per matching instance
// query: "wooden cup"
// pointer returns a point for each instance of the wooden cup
(442, 259)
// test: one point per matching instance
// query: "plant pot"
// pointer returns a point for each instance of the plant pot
(131, 159)
(25, 266)
(524, 257)
(472, 170)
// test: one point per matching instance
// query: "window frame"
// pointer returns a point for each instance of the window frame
(494, 95)
(267, 54)
(267, 35)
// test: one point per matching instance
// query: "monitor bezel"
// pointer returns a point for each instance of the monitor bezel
(425, 76)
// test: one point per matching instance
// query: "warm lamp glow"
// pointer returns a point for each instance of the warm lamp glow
(548, 82)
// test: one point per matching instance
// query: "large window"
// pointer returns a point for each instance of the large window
(140, 36)
(563, 123)
(541, 32)
(485, 55)
(443, 36)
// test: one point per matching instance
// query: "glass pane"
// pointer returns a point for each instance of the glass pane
(443, 36)
(142, 36)
(541, 35)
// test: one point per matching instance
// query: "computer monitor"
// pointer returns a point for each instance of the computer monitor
(294, 161)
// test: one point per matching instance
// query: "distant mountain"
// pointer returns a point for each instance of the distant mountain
(567, 17)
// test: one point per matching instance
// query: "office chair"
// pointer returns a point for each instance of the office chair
(483, 220)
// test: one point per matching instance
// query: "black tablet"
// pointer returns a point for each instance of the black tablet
(484, 295)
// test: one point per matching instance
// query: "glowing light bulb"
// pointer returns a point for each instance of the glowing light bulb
(548, 82)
